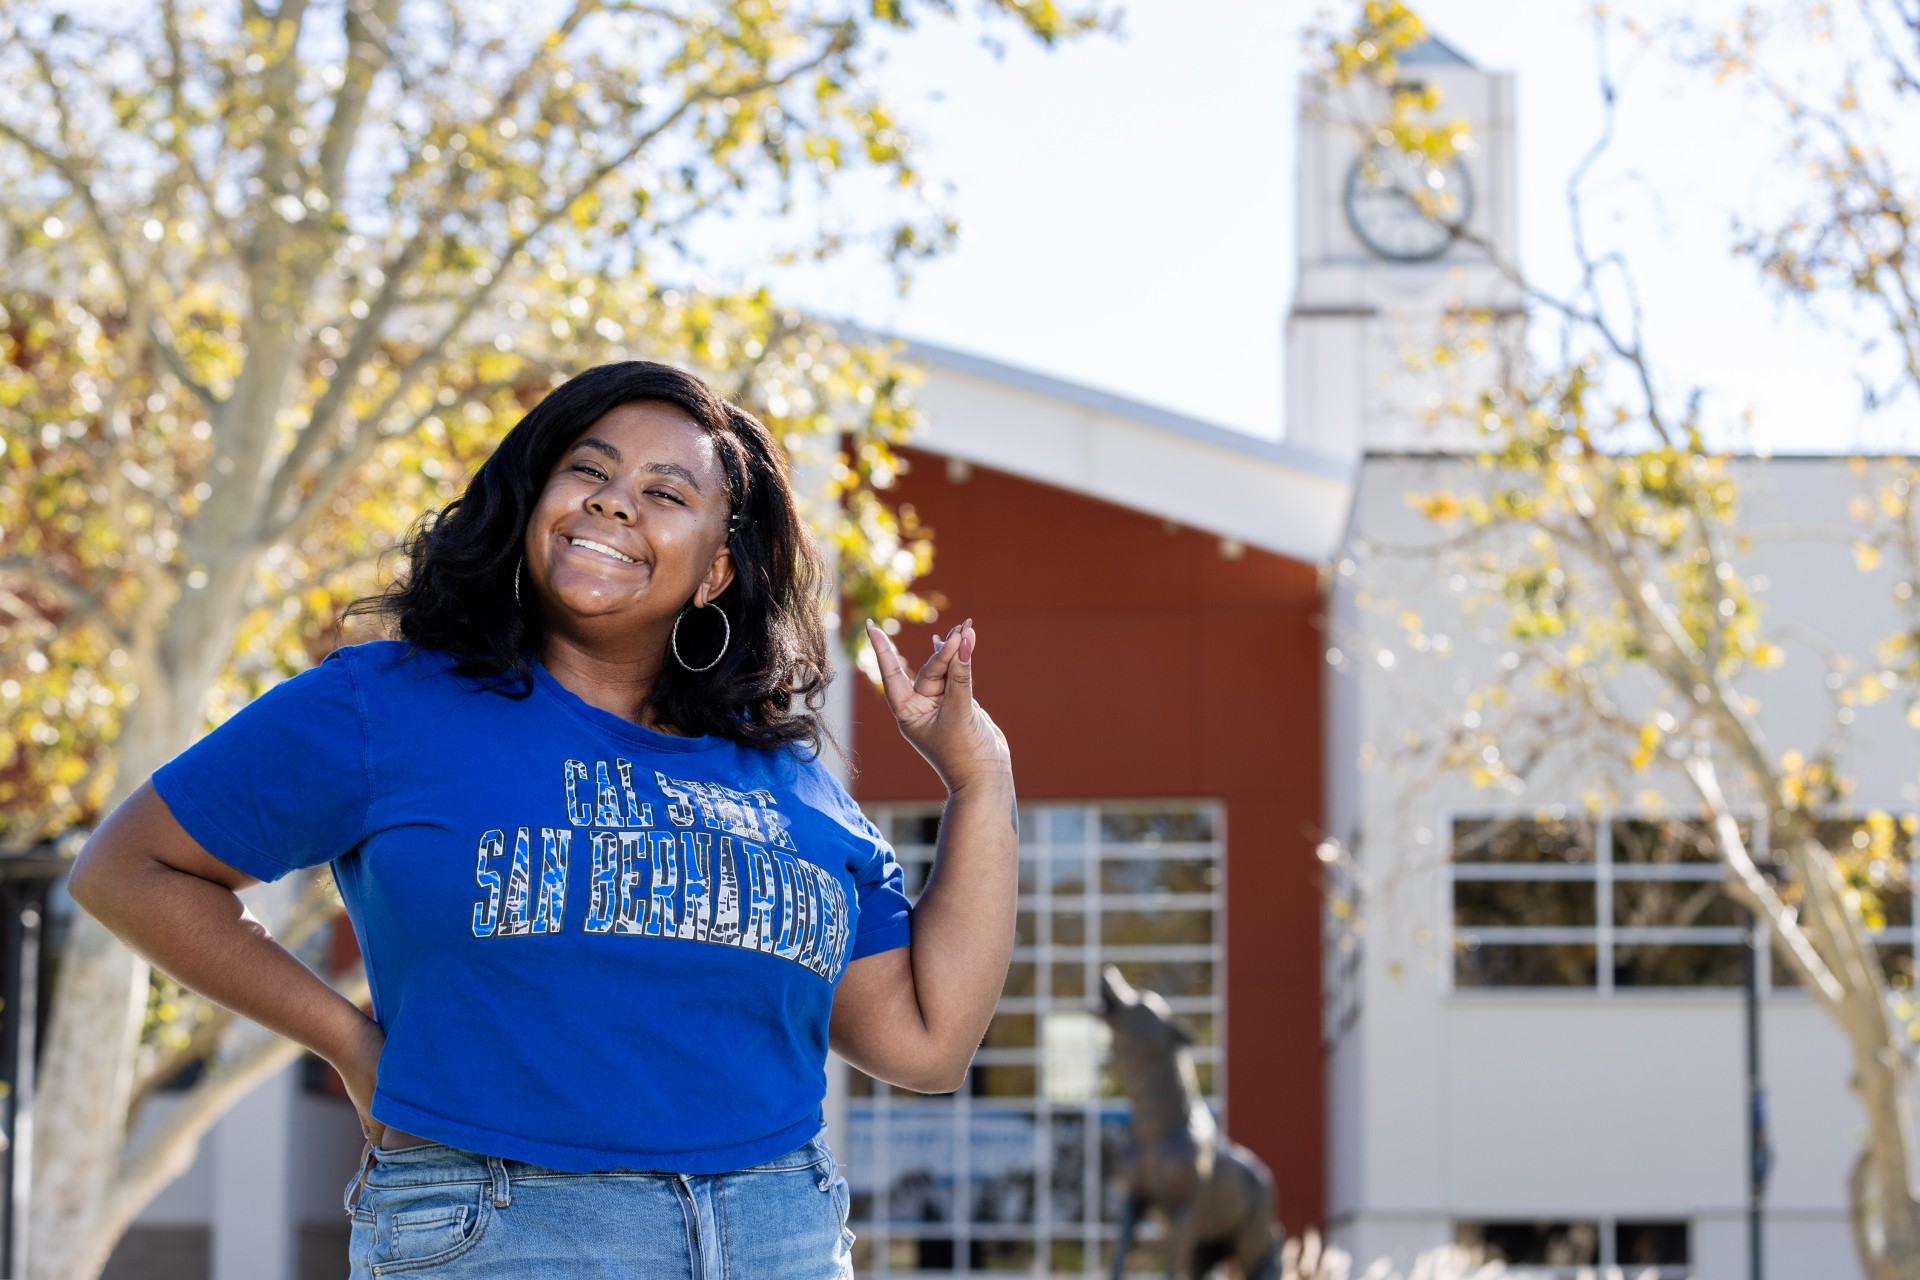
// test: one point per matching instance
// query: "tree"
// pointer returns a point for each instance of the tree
(1603, 530)
(275, 280)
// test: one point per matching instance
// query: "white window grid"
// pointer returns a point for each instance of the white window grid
(1604, 934)
(1041, 844)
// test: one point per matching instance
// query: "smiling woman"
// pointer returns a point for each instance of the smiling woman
(593, 748)
(630, 498)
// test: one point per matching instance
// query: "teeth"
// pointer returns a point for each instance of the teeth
(599, 546)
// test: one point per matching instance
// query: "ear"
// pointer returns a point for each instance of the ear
(719, 577)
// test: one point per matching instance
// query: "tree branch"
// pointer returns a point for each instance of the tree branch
(37, 572)
(177, 366)
(171, 1149)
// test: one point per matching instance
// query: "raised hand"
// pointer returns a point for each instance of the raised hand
(936, 711)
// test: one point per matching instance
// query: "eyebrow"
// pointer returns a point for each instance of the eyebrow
(658, 468)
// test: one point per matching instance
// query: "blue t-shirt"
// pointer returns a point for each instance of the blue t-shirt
(591, 945)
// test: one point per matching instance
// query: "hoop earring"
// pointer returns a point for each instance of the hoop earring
(516, 582)
(726, 636)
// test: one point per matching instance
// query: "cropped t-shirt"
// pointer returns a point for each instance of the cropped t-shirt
(591, 945)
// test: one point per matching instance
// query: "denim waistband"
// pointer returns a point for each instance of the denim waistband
(432, 1163)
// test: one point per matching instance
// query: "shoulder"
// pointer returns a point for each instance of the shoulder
(393, 663)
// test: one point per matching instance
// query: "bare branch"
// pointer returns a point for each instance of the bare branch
(170, 1151)
(36, 571)
(170, 355)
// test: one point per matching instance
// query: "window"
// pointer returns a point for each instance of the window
(1564, 1250)
(1628, 903)
(1013, 1171)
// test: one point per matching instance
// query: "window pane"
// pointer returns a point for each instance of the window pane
(1566, 964)
(1149, 827)
(859, 1160)
(1667, 840)
(1650, 1244)
(1649, 964)
(1029, 874)
(1522, 840)
(1523, 902)
(1068, 1182)
(1113, 1153)
(1203, 1074)
(1001, 1153)
(1069, 928)
(1889, 906)
(1001, 1255)
(1660, 904)
(1159, 875)
(1002, 1080)
(1067, 874)
(1896, 958)
(1023, 935)
(920, 1154)
(1010, 1031)
(1066, 824)
(919, 1255)
(1070, 981)
(916, 828)
(1020, 976)
(1554, 1244)
(1068, 1257)
(1156, 928)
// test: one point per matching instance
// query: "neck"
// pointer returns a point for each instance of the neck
(620, 684)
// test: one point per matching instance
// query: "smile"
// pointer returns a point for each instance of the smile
(588, 544)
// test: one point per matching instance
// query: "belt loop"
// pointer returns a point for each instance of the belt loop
(351, 1199)
(502, 1190)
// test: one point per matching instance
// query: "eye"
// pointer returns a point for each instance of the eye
(591, 470)
(668, 494)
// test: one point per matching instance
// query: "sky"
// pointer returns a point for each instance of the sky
(1127, 220)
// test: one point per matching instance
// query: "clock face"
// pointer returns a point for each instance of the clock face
(1406, 207)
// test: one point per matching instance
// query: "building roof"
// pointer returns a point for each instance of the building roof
(1433, 51)
(1263, 493)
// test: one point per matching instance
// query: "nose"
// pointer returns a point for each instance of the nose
(603, 502)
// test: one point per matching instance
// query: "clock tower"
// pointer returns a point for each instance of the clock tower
(1378, 270)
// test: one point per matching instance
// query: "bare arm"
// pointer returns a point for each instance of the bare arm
(167, 898)
(914, 1015)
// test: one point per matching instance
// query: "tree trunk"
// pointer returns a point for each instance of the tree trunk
(100, 994)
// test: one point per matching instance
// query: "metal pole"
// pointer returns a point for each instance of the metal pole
(1759, 1151)
(25, 881)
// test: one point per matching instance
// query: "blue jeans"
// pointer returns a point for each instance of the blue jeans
(440, 1211)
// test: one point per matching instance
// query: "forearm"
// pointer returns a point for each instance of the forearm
(202, 935)
(964, 920)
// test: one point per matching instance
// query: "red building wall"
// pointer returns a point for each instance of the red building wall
(1124, 657)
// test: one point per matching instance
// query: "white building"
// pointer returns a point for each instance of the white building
(1533, 1045)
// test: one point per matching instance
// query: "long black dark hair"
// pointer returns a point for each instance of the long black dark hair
(458, 593)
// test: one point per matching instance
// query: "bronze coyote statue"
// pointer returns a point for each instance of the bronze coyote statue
(1216, 1196)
